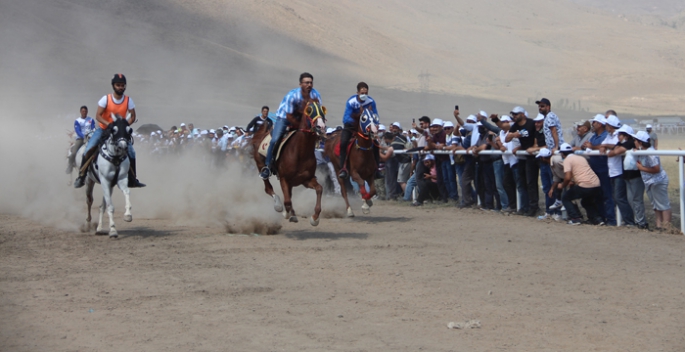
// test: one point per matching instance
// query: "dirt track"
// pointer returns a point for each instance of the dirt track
(391, 281)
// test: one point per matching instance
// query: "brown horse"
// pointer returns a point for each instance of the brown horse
(296, 164)
(360, 160)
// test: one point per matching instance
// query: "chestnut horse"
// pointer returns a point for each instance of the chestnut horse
(362, 164)
(296, 164)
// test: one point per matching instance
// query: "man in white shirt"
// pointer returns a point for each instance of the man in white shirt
(82, 126)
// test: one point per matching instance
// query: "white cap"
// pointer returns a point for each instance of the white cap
(518, 110)
(212, 131)
(448, 124)
(472, 118)
(413, 131)
(613, 121)
(648, 126)
(330, 130)
(437, 122)
(396, 124)
(600, 118)
(641, 136)
(505, 118)
(159, 132)
(429, 157)
(203, 133)
(540, 117)
(544, 153)
(381, 128)
(483, 113)
(565, 147)
(189, 137)
(183, 124)
(626, 129)
(153, 133)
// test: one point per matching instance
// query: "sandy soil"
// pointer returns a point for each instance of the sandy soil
(389, 281)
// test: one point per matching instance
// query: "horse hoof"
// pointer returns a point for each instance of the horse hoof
(313, 222)
(366, 210)
(369, 202)
(293, 219)
(278, 206)
(128, 218)
(350, 214)
(113, 233)
(100, 231)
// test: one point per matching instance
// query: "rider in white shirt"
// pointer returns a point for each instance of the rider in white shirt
(83, 125)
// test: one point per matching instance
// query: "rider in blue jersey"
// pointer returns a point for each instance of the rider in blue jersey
(289, 106)
(353, 110)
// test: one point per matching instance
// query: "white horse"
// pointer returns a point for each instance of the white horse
(111, 168)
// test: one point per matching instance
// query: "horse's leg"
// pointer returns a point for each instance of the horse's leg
(314, 220)
(89, 201)
(107, 200)
(269, 189)
(123, 186)
(362, 189)
(100, 216)
(372, 190)
(289, 212)
(343, 192)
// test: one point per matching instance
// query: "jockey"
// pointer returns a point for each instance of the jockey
(82, 126)
(116, 103)
(353, 110)
(258, 120)
(289, 106)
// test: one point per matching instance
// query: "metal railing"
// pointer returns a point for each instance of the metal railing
(679, 153)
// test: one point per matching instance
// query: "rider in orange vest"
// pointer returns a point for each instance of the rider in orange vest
(116, 103)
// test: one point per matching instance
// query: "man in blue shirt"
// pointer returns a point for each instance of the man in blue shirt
(289, 107)
(82, 126)
(600, 167)
(353, 110)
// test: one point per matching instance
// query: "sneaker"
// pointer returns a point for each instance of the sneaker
(643, 227)
(563, 208)
(544, 217)
(575, 222)
(508, 210)
(265, 173)
(556, 217)
(557, 204)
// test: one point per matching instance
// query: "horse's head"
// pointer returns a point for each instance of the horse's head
(315, 115)
(119, 135)
(368, 122)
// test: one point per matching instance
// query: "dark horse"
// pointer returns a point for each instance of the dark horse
(362, 164)
(296, 164)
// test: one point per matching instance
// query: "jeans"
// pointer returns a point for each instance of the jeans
(589, 197)
(498, 165)
(95, 140)
(606, 207)
(449, 178)
(621, 199)
(546, 179)
(488, 177)
(276, 134)
(519, 178)
(392, 188)
(409, 189)
(468, 175)
(636, 197)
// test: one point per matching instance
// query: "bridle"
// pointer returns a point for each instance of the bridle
(312, 112)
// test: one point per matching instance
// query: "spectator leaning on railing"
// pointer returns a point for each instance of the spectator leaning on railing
(581, 183)
(599, 165)
(524, 130)
(615, 165)
(635, 187)
(655, 179)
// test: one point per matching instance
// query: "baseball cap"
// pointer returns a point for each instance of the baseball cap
(203, 133)
(429, 157)
(212, 131)
(642, 136)
(381, 128)
(153, 133)
(472, 118)
(483, 113)
(448, 124)
(565, 147)
(540, 117)
(183, 124)
(613, 121)
(436, 122)
(600, 118)
(330, 130)
(543, 101)
(396, 124)
(544, 153)
(518, 110)
(626, 129)
(413, 131)
(505, 118)
(648, 126)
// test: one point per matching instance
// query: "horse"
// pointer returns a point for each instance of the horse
(111, 168)
(362, 164)
(296, 164)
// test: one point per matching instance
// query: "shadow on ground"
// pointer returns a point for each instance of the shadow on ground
(378, 219)
(310, 235)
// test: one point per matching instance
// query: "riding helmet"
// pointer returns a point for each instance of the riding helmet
(119, 78)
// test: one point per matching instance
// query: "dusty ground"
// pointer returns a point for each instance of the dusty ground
(391, 281)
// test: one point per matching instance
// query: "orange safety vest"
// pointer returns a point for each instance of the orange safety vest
(120, 109)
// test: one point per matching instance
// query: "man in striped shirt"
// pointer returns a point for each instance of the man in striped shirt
(290, 105)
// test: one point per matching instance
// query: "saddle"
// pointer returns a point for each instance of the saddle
(264, 145)
(349, 146)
